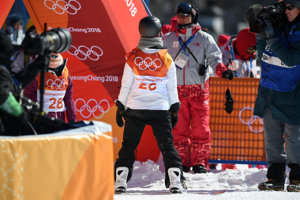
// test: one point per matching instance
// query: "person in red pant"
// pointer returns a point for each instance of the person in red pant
(194, 52)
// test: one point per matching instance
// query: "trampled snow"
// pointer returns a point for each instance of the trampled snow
(147, 183)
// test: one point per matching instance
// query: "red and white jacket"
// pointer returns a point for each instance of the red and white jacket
(205, 50)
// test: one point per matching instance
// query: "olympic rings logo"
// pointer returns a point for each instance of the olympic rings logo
(62, 6)
(83, 52)
(92, 108)
(148, 63)
(56, 84)
(253, 121)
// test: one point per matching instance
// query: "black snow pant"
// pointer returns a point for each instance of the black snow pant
(135, 122)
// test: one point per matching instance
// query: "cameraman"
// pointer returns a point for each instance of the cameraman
(278, 99)
(13, 120)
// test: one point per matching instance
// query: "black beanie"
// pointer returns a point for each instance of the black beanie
(6, 48)
(14, 19)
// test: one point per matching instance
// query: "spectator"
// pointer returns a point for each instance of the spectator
(149, 92)
(167, 28)
(58, 96)
(278, 99)
(239, 53)
(194, 52)
(19, 59)
(15, 31)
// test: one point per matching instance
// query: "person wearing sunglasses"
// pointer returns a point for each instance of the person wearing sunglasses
(278, 99)
(196, 55)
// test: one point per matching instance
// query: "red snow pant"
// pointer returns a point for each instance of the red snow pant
(192, 132)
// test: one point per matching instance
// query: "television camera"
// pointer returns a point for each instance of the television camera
(54, 41)
(257, 15)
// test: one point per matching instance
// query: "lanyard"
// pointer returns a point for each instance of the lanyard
(249, 69)
(203, 67)
(186, 43)
(231, 51)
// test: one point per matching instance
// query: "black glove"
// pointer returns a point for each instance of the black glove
(229, 102)
(228, 74)
(268, 33)
(174, 113)
(120, 113)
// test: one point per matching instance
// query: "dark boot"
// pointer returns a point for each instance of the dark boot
(200, 153)
(271, 185)
(276, 178)
(185, 168)
(212, 166)
(294, 185)
(199, 169)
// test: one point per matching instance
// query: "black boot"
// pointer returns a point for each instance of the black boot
(185, 168)
(213, 166)
(199, 169)
(276, 178)
(294, 185)
(271, 185)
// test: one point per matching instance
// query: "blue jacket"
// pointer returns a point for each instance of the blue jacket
(279, 87)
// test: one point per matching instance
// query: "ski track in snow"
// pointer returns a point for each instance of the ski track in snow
(147, 183)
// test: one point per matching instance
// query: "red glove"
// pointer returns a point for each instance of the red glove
(220, 68)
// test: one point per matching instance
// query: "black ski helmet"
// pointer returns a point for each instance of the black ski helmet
(187, 9)
(150, 26)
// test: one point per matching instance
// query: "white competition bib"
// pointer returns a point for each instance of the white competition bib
(53, 100)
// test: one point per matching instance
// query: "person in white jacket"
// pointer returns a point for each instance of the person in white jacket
(149, 94)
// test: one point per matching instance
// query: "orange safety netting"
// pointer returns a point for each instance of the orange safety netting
(237, 136)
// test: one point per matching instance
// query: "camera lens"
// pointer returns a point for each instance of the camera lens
(56, 40)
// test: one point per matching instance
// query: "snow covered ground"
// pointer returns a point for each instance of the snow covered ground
(147, 183)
